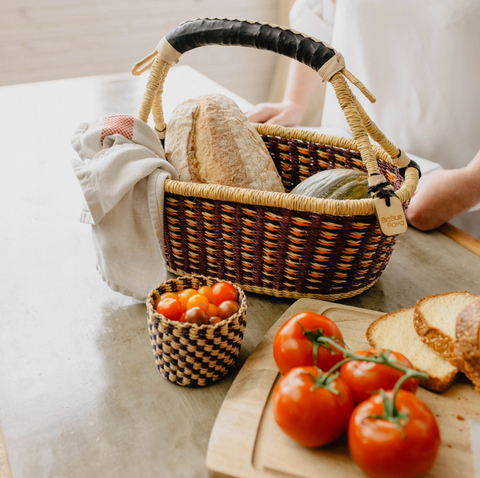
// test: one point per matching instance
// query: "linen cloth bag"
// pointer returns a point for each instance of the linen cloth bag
(121, 169)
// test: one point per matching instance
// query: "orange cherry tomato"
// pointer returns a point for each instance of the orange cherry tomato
(215, 320)
(167, 295)
(196, 315)
(170, 308)
(212, 310)
(367, 378)
(184, 295)
(383, 449)
(223, 291)
(227, 308)
(205, 290)
(198, 300)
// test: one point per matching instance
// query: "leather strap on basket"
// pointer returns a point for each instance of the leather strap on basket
(310, 51)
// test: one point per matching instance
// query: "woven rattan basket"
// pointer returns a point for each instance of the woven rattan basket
(194, 355)
(276, 243)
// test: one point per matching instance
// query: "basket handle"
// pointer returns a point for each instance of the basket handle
(310, 51)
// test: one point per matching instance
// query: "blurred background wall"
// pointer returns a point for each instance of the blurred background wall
(51, 39)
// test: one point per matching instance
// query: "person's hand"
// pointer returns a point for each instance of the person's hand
(286, 113)
(441, 195)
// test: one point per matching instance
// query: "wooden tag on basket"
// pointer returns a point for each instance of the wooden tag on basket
(391, 218)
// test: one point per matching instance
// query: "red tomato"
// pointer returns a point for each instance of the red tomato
(215, 320)
(223, 291)
(311, 418)
(171, 308)
(366, 378)
(196, 315)
(291, 348)
(382, 449)
(198, 300)
(227, 308)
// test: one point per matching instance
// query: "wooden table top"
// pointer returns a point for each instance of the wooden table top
(80, 394)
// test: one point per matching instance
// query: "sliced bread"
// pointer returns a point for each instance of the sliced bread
(467, 343)
(435, 321)
(395, 331)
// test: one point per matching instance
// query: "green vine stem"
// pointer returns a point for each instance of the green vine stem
(390, 411)
(313, 336)
(323, 381)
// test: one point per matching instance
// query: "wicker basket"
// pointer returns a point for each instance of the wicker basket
(276, 243)
(194, 355)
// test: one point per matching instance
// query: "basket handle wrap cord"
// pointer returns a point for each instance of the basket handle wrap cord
(217, 31)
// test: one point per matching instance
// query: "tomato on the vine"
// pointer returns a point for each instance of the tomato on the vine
(292, 348)
(388, 449)
(311, 414)
(367, 378)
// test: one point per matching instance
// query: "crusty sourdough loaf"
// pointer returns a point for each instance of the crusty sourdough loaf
(395, 331)
(435, 321)
(209, 140)
(467, 343)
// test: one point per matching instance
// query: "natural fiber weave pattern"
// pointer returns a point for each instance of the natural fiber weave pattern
(283, 244)
(275, 250)
(194, 355)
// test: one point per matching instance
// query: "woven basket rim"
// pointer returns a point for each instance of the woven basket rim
(334, 207)
(153, 314)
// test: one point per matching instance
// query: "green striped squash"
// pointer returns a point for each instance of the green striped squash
(335, 184)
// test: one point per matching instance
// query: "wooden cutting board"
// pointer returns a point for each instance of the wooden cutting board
(246, 441)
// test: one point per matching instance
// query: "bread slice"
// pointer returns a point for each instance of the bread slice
(467, 343)
(395, 331)
(435, 321)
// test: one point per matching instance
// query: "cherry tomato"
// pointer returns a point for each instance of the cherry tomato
(291, 348)
(212, 310)
(205, 290)
(196, 315)
(215, 320)
(198, 300)
(167, 295)
(366, 378)
(227, 308)
(184, 295)
(223, 291)
(170, 308)
(311, 416)
(384, 450)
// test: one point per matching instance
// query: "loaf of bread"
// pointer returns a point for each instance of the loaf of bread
(395, 331)
(209, 140)
(435, 322)
(467, 341)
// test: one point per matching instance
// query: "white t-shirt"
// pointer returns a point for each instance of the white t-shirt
(420, 59)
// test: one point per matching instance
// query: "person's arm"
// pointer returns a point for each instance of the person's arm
(301, 84)
(444, 194)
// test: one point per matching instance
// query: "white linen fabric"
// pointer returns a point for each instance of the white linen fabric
(121, 169)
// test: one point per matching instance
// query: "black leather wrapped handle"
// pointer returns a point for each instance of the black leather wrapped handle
(225, 31)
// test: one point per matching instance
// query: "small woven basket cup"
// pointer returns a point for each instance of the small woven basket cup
(194, 355)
